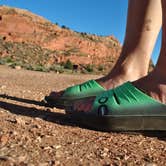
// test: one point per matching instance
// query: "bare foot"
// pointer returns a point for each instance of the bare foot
(153, 85)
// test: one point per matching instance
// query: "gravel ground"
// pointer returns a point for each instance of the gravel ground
(34, 135)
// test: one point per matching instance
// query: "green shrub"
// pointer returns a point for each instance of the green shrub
(40, 68)
(57, 68)
(13, 65)
(89, 68)
(100, 67)
(64, 27)
(68, 65)
(2, 61)
(28, 67)
(8, 60)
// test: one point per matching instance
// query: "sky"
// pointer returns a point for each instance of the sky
(100, 17)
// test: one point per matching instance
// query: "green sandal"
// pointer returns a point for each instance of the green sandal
(124, 108)
(85, 90)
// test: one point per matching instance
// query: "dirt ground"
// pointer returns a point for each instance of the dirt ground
(34, 135)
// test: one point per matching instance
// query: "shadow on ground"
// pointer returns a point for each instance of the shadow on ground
(45, 114)
(59, 118)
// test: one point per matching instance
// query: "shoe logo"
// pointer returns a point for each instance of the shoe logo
(103, 110)
(103, 100)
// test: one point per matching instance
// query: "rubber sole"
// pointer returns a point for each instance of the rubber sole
(122, 123)
(61, 103)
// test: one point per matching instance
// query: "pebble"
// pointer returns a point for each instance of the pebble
(3, 86)
(4, 139)
(21, 158)
(19, 120)
(18, 67)
(57, 146)
(151, 164)
(43, 164)
(38, 139)
(12, 120)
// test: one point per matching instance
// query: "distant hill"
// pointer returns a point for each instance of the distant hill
(27, 40)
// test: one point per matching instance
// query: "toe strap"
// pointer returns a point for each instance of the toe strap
(86, 89)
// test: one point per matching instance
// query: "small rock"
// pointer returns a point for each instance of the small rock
(12, 120)
(52, 162)
(37, 118)
(37, 126)
(6, 158)
(19, 120)
(4, 139)
(106, 150)
(57, 163)
(104, 155)
(21, 159)
(151, 164)
(57, 146)
(43, 164)
(13, 133)
(47, 148)
(18, 67)
(40, 117)
(3, 86)
(38, 139)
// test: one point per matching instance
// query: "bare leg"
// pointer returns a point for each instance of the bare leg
(143, 25)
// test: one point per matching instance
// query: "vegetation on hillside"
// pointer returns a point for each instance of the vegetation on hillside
(33, 57)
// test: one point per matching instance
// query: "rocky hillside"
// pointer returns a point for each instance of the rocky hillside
(27, 40)
(33, 39)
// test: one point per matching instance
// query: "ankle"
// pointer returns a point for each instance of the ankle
(135, 63)
(129, 71)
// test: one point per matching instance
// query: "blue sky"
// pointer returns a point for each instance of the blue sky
(101, 17)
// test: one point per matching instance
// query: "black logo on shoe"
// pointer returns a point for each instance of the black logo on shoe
(103, 100)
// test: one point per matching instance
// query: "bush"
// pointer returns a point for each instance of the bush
(9, 60)
(64, 27)
(40, 68)
(68, 65)
(57, 68)
(2, 61)
(100, 67)
(89, 68)
(28, 67)
(13, 65)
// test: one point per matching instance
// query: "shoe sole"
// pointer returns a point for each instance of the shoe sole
(62, 103)
(122, 123)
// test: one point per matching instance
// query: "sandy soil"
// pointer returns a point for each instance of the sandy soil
(31, 134)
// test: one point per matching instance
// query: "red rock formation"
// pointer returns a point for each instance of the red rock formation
(18, 25)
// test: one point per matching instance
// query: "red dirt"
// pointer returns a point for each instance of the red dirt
(34, 135)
